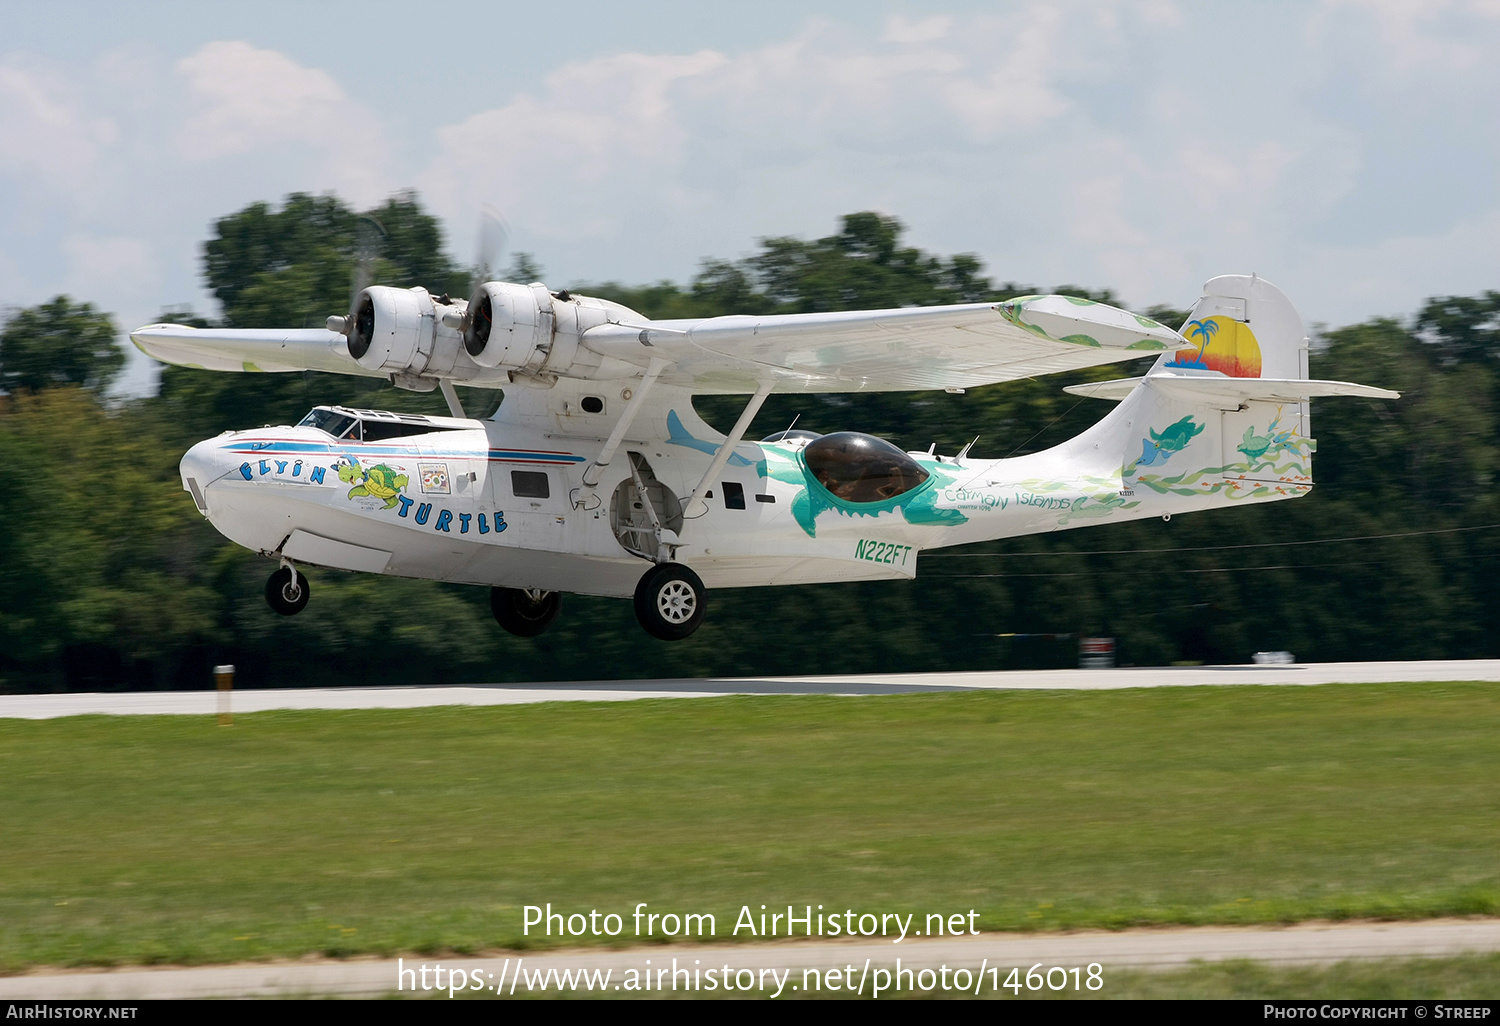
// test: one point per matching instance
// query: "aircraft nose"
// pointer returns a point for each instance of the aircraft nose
(201, 465)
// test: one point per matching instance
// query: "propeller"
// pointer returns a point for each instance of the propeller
(491, 243)
(368, 233)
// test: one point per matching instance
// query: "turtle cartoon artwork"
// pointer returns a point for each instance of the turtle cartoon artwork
(380, 481)
(1161, 445)
(1273, 441)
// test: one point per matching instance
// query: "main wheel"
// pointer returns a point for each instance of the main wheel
(285, 593)
(524, 613)
(670, 601)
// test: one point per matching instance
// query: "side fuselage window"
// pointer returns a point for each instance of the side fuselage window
(529, 484)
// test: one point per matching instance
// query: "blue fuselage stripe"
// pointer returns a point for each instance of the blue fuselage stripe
(362, 449)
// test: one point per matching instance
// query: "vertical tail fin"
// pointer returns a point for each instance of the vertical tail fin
(1245, 327)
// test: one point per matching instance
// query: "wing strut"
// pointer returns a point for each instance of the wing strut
(454, 406)
(584, 498)
(696, 507)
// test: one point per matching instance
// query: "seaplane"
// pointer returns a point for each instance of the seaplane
(596, 477)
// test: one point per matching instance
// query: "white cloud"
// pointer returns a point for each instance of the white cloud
(247, 100)
(1414, 32)
(1160, 13)
(248, 97)
(1393, 276)
(674, 144)
(1344, 150)
(605, 129)
(112, 268)
(900, 29)
(44, 135)
(13, 281)
(1019, 92)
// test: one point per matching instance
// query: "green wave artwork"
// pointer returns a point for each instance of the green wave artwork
(1182, 484)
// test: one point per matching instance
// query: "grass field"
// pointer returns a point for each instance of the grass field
(170, 839)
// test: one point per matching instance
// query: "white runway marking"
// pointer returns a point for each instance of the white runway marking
(1308, 944)
(205, 703)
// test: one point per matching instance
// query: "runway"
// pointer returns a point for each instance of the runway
(203, 703)
(798, 964)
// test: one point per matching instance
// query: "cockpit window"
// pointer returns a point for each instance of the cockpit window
(862, 468)
(336, 424)
(374, 425)
(379, 430)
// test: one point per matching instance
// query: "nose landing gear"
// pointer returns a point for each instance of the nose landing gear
(286, 590)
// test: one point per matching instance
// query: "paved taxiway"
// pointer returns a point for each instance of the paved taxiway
(1307, 944)
(41, 707)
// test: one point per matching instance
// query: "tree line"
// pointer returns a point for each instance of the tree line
(109, 578)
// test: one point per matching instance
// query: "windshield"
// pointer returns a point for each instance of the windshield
(862, 468)
(336, 424)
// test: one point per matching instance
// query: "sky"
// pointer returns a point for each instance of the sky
(1347, 150)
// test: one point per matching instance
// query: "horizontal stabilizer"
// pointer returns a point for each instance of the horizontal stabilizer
(1205, 388)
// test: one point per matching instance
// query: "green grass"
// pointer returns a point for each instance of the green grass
(170, 839)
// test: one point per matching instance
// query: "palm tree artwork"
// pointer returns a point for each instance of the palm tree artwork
(1204, 330)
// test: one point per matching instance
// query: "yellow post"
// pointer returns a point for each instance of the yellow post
(224, 675)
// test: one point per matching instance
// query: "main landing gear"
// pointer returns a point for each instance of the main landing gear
(286, 590)
(524, 612)
(670, 601)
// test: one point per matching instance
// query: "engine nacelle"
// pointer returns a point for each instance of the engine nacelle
(392, 329)
(510, 326)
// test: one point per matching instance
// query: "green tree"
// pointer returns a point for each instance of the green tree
(523, 269)
(108, 574)
(292, 268)
(1462, 328)
(59, 343)
(98, 574)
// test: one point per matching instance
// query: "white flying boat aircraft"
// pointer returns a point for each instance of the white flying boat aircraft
(595, 476)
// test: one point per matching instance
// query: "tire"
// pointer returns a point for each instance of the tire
(520, 615)
(282, 596)
(670, 601)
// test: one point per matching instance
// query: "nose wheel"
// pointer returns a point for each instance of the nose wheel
(524, 612)
(670, 601)
(286, 591)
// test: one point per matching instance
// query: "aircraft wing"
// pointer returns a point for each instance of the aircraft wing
(908, 349)
(249, 349)
(890, 350)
